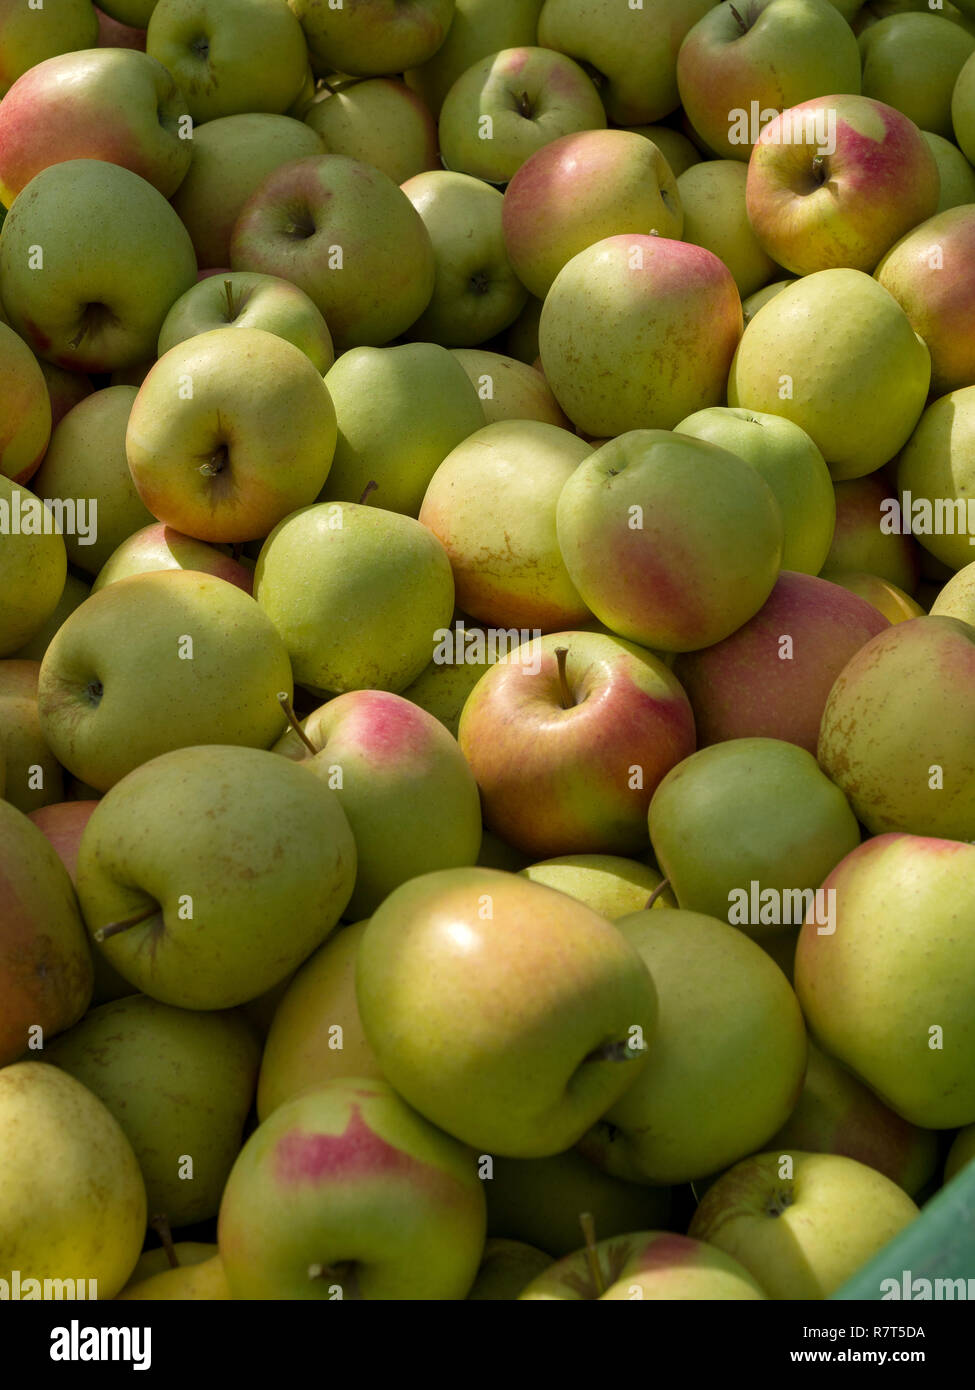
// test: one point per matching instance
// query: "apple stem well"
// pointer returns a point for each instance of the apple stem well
(285, 702)
(661, 887)
(113, 928)
(738, 20)
(588, 1225)
(160, 1225)
(565, 694)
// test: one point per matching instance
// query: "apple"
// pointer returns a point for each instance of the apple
(607, 883)
(801, 1223)
(247, 300)
(696, 534)
(793, 467)
(835, 181)
(248, 444)
(567, 756)
(45, 963)
(229, 56)
(509, 389)
(771, 678)
(326, 223)
(400, 411)
(65, 389)
(199, 663)
(102, 103)
(956, 174)
(379, 121)
(887, 993)
(33, 775)
(114, 34)
(403, 783)
(935, 472)
(357, 594)
(492, 504)
(232, 156)
(476, 293)
(862, 540)
(73, 595)
(32, 34)
(754, 302)
(912, 62)
(712, 195)
(678, 151)
(633, 48)
(637, 332)
(893, 603)
(26, 407)
(462, 974)
(62, 823)
(33, 566)
(759, 60)
(509, 104)
(957, 598)
(479, 27)
(203, 1280)
(857, 386)
(961, 1153)
(372, 40)
(290, 860)
(187, 1253)
(580, 189)
(460, 658)
(654, 1265)
(115, 258)
(507, 1267)
(963, 109)
(159, 547)
(906, 762)
(521, 339)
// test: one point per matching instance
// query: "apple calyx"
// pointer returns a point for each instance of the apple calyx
(779, 1202)
(343, 1274)
(369, 488)
(113, 928)
(216, 463)
(94, 691)
(284, 701)
(160, 1224)
(479, 282)
(661, 887)
(588, 1225)
(565, 694)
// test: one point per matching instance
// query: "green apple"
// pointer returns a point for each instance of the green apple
(888, 993)
(406, 788)
(898, 730)
(73, 595)
(864, 541)
(203, 1280)
(463, 974)
(507, 1267)
(782, 452)
(678, 151)
(157, 1261)
(86, 461)
(887, 598)
(476, 293)
(492, 504)
(400, 411)
(521, 339)
(200, 663)
(379, 121)
(232, 156)
(33, 775)
(26, 407)
(509, 104)
(72, 1205)
(580, 189)
(33, 566)
(149, 894)
(479, 27)
(857, 386)
(957, 598)
(32, 34)
(695, 1109)
(963, 109)
(754, 302)
(654, 1265)
(637, 332)
(159, 547)
(459, 661)
(45, 963)
(568, 748)
(737, 68)
(115, 258)
(356, 593)
(696, 534)
(712, 195)
(961, 1153)
(65, 388)
(935, 471)
(247, 443)
(957, 175)
(372, 40)
(247, 300)
(607, 883)
(509, 389)
(327, 224)
(802, 1223)
(179, 1084)
(912, 62)
(345, 1192)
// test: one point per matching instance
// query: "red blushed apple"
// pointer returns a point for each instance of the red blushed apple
(62, 823)
(567, 762)
(771, 678)
(112, 34)
(25, 423)
(159, 547)
(814, 207)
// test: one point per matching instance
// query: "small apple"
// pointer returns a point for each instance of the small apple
(381, 37)
(379, 121)
(509, 389)
(33, 775)
(31, 35)
(248, 300)
(654, 1265)
(33, 567)
(159, 547)
(607, 883)
(712, 195)
(912, 62)
(26, 407)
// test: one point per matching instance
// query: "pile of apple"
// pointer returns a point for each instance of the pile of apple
(487, 608)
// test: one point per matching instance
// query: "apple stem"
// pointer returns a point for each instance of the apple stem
(161, 1227)
(565, 693)
(741, 23)
(113, 928)
(289, 709)
(228, 287)
(661, 887)
(592, 1254)
(369, 488)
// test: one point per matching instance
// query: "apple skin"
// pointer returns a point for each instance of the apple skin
(442, 688)
(204, 1279)
(22, 747)
(73, 595)
(802, 1236)
(560, 781)
(696, 533)
(883, 750)
(912, 62)
(963, 109)
(957, 598)
(961, 1153)
(956, 174)
(580, 189)
(858, 542)
(112, 243)
(104, 103)
(507, 1267)
(409, 794)
(788, 52)
(156, 1261)
(374, 39)
(33, 569)
(107, 706)
(608, 883)
(371, 297)
(656, 1265)
(837, 1114)
(379, 121)
(62, 823)
(32, 35)
(893, 603)
(460, 974)
(65, 389)
(232, 156)
(637, 332)
(936, 464)
(159, 547)
(509, 389)
(479, 27)
(113, 34)
(712, 195)
(27, 409)
(45, 963)
(880, 181)
(743, 688)
(345, 1191)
